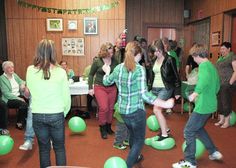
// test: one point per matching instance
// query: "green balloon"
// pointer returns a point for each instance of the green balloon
(232, 118)
(187, 106)
(200, 148)
(148, 141)
(6, 144)
(77, 124)
(152, 123)
(115, 162)
(165, 144)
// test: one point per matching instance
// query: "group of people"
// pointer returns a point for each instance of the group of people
(117, 75)
(166, 83)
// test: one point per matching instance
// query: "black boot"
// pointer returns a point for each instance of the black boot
(109, 130)
(103, 131)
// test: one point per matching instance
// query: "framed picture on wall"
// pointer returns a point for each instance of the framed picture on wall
(73, 46)
(72, 24)
(215, 38)
(90, 25)
(54, 24)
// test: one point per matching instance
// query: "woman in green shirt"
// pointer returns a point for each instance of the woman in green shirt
(50, 102)
(226, 66)
(105, 95)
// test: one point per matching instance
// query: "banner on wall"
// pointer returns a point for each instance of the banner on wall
(95, 9)
(73, 46)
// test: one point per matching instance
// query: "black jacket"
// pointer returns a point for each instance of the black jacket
(170, 75)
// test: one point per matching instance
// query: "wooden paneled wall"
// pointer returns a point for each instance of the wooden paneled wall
(220, 22)
(26, 27)
(3, 38)
(206, 8)
(153, 13)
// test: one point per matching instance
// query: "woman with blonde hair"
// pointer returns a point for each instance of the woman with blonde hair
(50, 102)
(130, 79)
(105, 96)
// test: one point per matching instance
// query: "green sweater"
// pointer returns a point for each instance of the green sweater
(207, 88)
(96, 69)
(49, 96)
(7, 89)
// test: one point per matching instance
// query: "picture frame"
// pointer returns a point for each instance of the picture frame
(72, 46)
(90, 25)
(215, 38)
(72, 24)
(54, 24)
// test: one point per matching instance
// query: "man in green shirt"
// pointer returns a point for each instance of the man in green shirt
(205, 98)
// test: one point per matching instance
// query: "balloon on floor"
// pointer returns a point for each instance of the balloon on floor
(164, 144)
(232, 118)
(77, 124)
(148, 141)
(152, 123)
(200, 148)
(6, 144)
(115, 162)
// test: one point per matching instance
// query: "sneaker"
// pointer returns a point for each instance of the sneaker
(162, 137)
(126, 142)
(119, 146)
(168, 132)
(140, 158)
(183, 164)
(168, 111)
(216, 156)
(26, 146)
(4, 132)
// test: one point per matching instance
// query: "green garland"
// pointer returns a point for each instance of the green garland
(99, 8)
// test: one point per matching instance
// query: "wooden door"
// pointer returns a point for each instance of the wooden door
(155, 33)
(233, 36)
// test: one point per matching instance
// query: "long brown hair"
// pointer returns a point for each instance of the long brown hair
(160, 46)
(45, 56)
(131, 50)
(103, 53)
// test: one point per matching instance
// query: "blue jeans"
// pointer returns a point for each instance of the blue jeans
(50, 127)
(29, 132)
(195, 129)
(122, 133)
(136, 124)
(162, 93)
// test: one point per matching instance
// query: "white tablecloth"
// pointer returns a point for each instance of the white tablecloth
(79, 88)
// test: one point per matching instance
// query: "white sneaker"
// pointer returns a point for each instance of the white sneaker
(169, 111)
(216, 156)
(26, 146)
(183, 164)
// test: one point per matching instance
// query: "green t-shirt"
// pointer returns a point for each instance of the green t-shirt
(207, 88)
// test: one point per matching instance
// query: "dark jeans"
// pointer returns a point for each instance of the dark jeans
(225, 99)
(22, 109)
(195, 129)
(3, 115)
(50, 127)
(136, 124)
